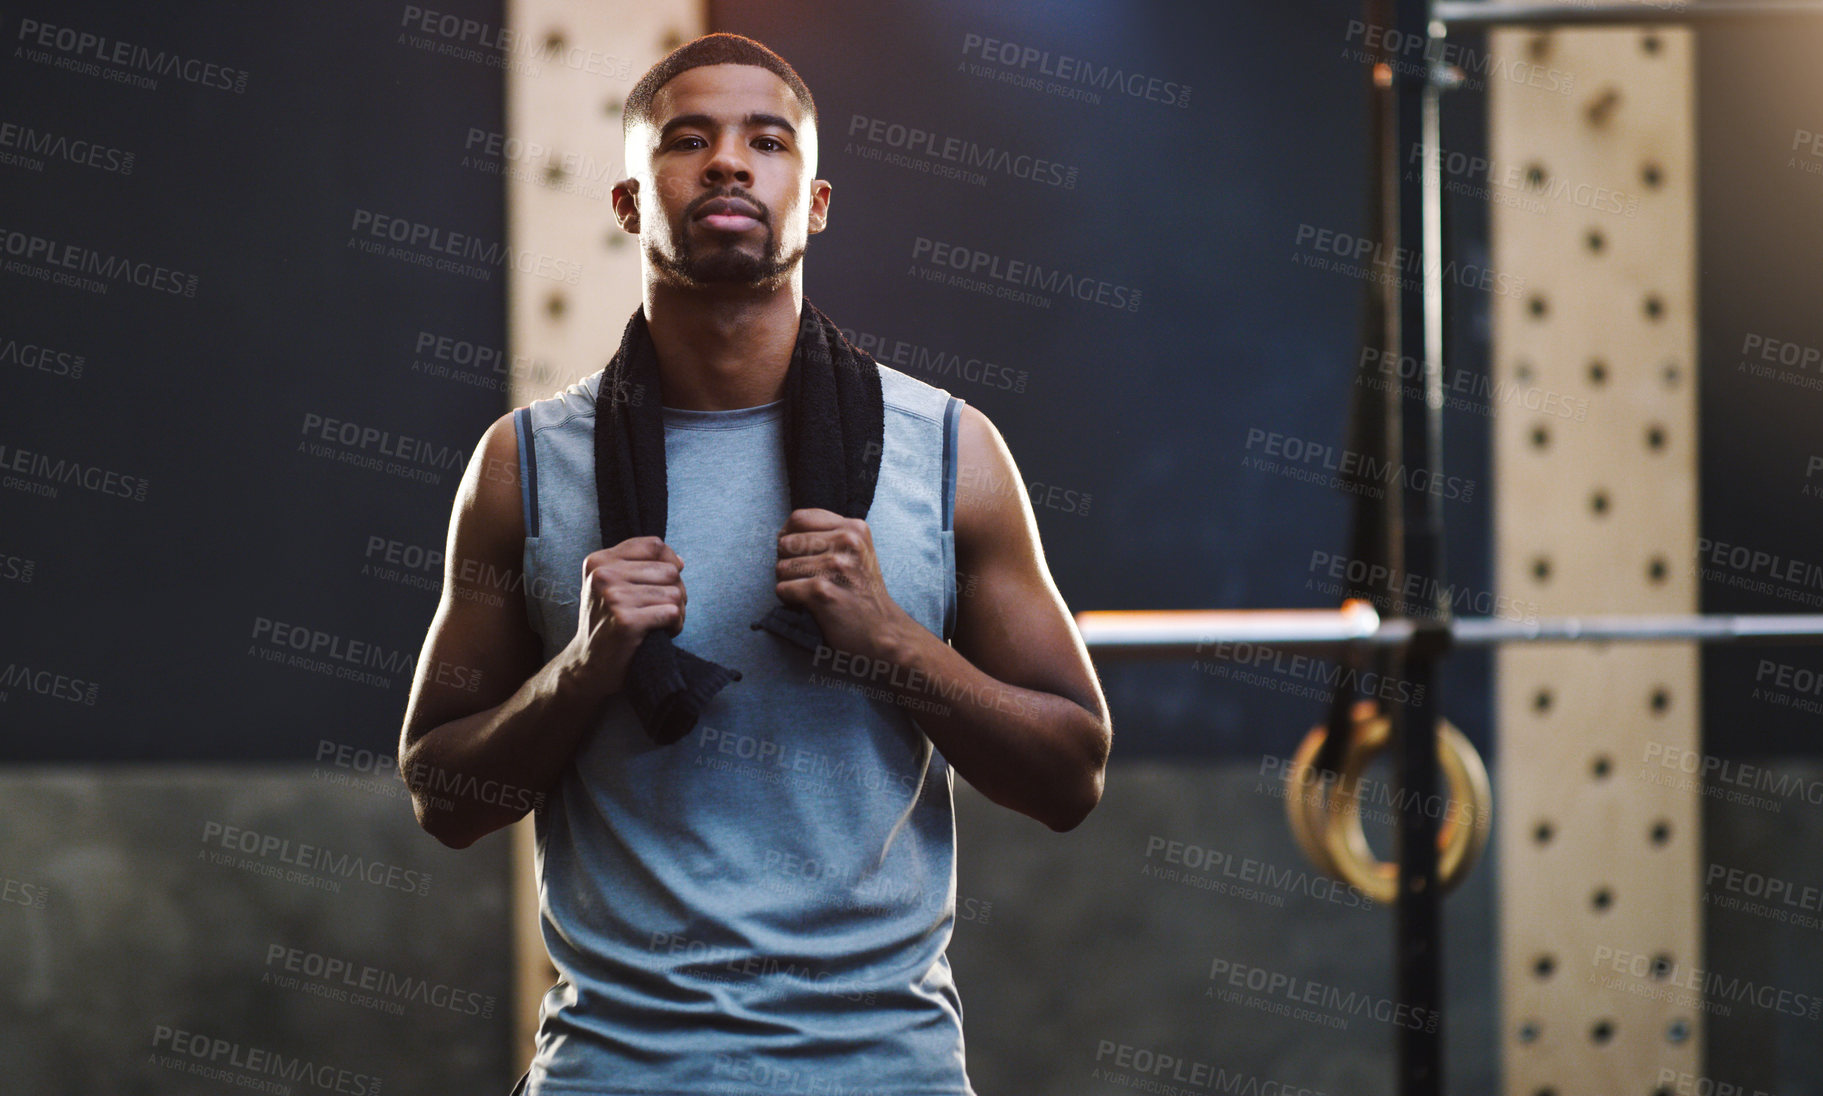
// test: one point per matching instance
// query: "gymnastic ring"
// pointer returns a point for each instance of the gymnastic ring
(1327, 820)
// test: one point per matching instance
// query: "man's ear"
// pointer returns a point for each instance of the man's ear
(819, 204)
(626, 204)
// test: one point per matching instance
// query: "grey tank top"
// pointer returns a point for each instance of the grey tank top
(765, 904)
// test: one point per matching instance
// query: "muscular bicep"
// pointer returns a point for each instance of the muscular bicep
(480, 648)
(1011, 622)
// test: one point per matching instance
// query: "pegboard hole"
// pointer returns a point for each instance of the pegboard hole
(1541, 701)
(614, 239)
(1529, 1031)
(1598, 503)
(1654, 306)
(1543, 832)
(1544, 966)
(1650, 43)
(1670, 374)
(1601, 767)
(1595, 240)
(1660, 700)
(1602, 900)
(1536, 306)
(553, 174)
(1601, 1032)
(1663, 965)
(1541, 569)
(1598, 373)
(1522, 371)
(1660, 833)
(1677, 1031)
(1657, 570)
(1655, 438)
(1651, 174)
(611, 107)
(1541, 437)
(555, 306)
(1539, 46)
(1535, 175)
(554, 42)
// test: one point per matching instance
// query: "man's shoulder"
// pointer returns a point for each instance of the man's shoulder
(902, 392)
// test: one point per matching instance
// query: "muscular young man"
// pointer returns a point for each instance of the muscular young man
(747, 883)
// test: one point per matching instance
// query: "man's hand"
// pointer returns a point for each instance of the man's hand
(627, 591)
(827, 566)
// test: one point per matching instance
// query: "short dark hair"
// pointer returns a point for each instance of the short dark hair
(710, 49)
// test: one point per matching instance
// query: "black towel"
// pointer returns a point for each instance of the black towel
(834, 429)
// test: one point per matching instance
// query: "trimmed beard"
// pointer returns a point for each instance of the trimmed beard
(725, 263)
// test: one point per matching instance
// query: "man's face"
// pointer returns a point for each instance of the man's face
(721, 191)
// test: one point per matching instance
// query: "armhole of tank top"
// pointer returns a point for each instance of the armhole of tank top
(528, 469)
(952, 420)
(528, 494)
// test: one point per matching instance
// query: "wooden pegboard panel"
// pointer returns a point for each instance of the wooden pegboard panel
(1595, 511)
(567, 108)
(564, 92)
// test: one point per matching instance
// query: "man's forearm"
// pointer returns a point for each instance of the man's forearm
(1035, 752)
(474, 775)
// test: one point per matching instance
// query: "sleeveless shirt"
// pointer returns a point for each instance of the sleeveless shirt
(765, 904)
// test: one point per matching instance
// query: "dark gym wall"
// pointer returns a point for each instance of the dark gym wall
(210, 525)
(1200, 184)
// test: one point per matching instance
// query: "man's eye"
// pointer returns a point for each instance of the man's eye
(770, 144)
(686, 142)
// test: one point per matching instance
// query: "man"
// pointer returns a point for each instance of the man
(763, 903)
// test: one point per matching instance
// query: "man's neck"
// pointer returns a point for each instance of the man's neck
(719, 351)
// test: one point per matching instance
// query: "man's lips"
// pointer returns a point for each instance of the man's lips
(729, 214)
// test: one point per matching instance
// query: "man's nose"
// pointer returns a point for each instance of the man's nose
(728, 161)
